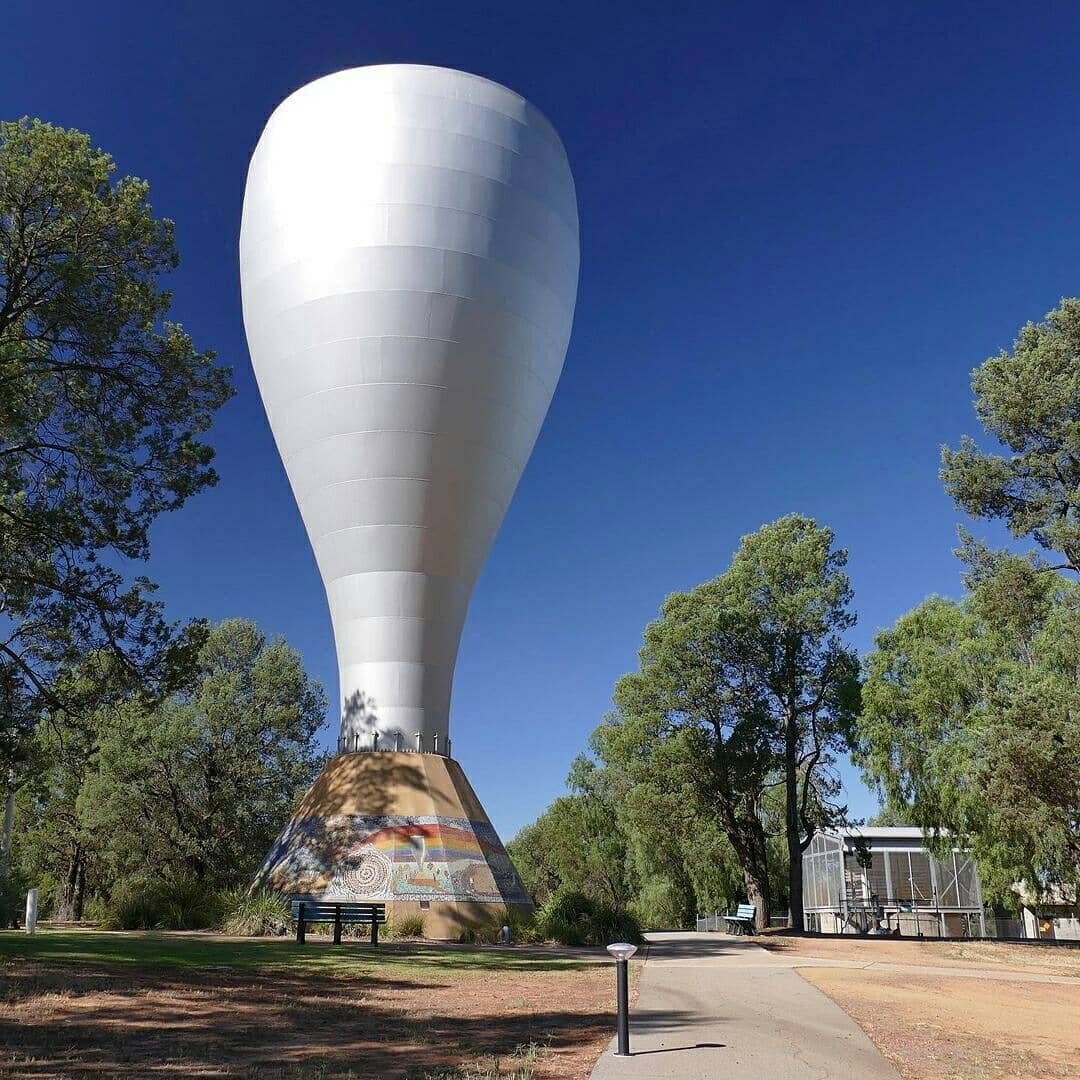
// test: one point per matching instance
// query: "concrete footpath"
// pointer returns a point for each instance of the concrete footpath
(712, 1007)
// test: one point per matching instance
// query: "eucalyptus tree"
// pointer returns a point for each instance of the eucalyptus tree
(103, 408)
(751, 673)
(972, 707)
(1028, 399)
(200, 783)
(971, 720)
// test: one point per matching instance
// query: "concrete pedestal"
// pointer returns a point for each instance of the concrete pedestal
(404, 829)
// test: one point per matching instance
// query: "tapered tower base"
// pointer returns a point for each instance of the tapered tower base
(404, 829)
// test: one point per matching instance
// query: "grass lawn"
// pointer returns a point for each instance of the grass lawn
(318, 956)
(79, 1003)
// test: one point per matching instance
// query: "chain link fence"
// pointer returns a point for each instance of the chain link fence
(710, 923)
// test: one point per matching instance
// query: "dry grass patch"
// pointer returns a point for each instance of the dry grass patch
(1007, 956)
(398, 1015)
(943, 1028)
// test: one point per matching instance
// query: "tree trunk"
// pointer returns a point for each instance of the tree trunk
(748, 841)
(741, 823)
(757, 893)
(792, 822)
(795, 905)
(72, 900)
(9, 825)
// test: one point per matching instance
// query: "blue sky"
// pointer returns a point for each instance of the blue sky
(802, 226)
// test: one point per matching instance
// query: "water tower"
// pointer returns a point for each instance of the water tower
(409, 264)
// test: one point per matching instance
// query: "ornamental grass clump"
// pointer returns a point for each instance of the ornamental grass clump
(262, 914)
(406, 926)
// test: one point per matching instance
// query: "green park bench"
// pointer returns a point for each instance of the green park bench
(339, 913)
(742, 922)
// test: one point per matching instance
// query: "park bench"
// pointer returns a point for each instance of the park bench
(337, 912)
(742, 922)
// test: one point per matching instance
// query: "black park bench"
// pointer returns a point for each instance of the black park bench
(339, 913)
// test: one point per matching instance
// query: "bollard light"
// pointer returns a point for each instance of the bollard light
(622, 951)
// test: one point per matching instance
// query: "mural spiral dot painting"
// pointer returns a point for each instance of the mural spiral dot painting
(367, 872)
(401, 858)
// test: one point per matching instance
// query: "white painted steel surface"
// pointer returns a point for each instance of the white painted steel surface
(409, 266)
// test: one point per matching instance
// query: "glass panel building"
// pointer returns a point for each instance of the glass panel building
(900, 888)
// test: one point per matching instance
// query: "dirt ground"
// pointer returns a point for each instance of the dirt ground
(991, 955)
(941, 1028)
(63, 1020)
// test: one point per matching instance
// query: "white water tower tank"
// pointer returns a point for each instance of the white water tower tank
(409, 267)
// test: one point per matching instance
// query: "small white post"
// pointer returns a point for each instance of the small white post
(419, 742)
(31, 910)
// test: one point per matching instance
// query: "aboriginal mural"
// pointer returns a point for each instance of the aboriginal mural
(357, 857)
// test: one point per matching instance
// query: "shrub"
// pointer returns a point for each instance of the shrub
(523, 928)
(262, 914)
(97, 910)
(569, 917)
(573, 918)
(406, 926)
(171, 904)
(485, 933)
(661, 904)
(12, 899)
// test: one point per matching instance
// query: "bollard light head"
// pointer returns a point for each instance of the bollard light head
(622, 950)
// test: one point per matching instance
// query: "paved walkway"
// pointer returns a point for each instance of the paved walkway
(712, 1007)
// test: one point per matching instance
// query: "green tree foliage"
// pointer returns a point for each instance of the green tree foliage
(576, 844)
(1029, 400)
(102, 407)
(192, 787)
(890, 815)
(971, 717)
(751, 672)
(972, 708)
(202, 784)
(635, 836)
(679, 853)
(60, 850)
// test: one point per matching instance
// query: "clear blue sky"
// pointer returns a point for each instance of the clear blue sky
(802, 226)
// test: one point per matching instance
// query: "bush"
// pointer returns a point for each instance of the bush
(569, 917)
(523, 928)
(662, 904)
(485, 933)
(12, 900)
(572, 918)
(406, 926)
(175, 904)
(262, 914)
(97, 910)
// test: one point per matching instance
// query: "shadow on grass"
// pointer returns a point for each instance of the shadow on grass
(125, 1021)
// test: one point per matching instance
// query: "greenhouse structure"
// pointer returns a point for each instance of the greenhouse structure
(883, 880)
